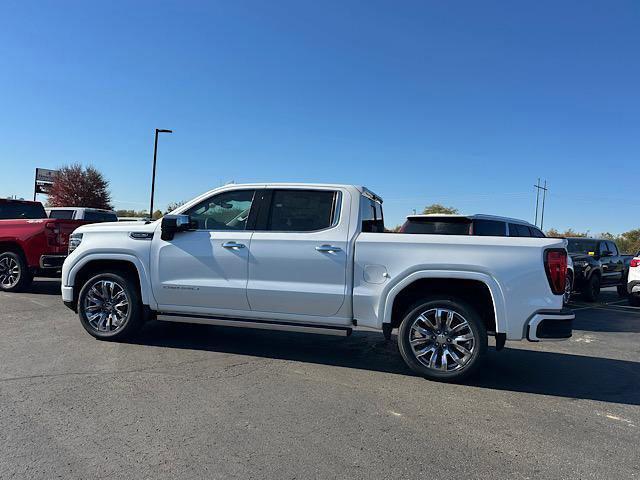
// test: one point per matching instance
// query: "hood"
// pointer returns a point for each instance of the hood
(112, 227)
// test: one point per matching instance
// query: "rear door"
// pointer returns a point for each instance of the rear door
(298, 254)
(617, 263)
(608, 264)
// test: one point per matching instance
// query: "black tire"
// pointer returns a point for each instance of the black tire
(622, 291)
(131, 321)
(17, 263)
(475, 326)
(591, 290)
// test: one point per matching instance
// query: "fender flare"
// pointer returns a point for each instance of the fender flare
(143, 276)
(495, 290)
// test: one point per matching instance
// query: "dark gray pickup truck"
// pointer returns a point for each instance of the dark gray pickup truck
(598, 263)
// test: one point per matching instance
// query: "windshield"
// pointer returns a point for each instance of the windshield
(585, 246)
(17, 210)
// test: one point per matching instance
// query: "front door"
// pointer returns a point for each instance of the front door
(206, 269)
(298, 255)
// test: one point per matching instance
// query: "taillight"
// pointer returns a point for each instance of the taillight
(635, 262)
(53, 233)
(555, 264)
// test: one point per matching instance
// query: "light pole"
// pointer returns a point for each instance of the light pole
(153, 176)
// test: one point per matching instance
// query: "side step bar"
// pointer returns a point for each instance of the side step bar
(257, 324)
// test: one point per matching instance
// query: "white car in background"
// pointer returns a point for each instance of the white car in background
(484, 226)
(633, 282)
(94, 215)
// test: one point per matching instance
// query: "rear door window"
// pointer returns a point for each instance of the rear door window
(489, 228)
(303, 210)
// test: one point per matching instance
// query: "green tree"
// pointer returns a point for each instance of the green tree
(437, 208)
(569, 232)
(173, 205)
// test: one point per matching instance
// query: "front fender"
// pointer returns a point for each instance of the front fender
(71, 271)
(497, 295)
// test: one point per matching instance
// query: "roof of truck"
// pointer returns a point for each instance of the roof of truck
(362, 189)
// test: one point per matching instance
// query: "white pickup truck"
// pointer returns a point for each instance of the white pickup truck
(315, 258)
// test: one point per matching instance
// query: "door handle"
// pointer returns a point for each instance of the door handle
(328, 249)
(233, 245)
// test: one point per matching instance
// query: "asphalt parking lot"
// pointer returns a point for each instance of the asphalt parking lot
(187, 401)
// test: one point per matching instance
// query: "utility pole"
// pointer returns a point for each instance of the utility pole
(537, 186)
(544, 196)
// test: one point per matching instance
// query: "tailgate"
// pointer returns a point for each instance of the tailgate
(59, 231)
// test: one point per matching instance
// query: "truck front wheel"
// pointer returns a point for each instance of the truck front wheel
(443, 339)
(109, 306)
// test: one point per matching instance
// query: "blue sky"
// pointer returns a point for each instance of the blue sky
(462, 103)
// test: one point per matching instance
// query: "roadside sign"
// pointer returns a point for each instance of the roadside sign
(44, 180)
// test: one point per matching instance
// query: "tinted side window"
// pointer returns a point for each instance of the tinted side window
(536, 232)
(12, 210)
(224, 211)
(63, 214)
(518, 230)
(372, 220)
(489, 228)
(439, 226)
(303, 210)
(602, 248)
(612, 248)
(92, 216)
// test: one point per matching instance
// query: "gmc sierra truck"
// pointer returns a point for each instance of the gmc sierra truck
(30, 243)
(315, 258)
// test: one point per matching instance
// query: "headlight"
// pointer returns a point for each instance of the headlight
(74, 241)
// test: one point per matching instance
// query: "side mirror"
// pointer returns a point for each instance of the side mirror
(606, 253)
(172, 224)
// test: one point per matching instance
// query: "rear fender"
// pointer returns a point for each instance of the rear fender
(497, 296)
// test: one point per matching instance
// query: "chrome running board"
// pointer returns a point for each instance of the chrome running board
(257, 324)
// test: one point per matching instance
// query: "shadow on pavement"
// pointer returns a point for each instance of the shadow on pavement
(597, 320)
(544, 373)
(45, 286)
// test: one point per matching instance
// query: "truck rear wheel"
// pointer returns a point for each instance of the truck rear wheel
(15, 275)
(443, 339)
(109, 306)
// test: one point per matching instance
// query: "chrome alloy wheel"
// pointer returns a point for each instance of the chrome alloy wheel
(9, 272)
(106, 306)
(441, 339)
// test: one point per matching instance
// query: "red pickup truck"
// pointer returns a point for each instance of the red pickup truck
(30, 243)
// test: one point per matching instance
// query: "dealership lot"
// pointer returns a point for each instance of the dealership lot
(187, 401)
